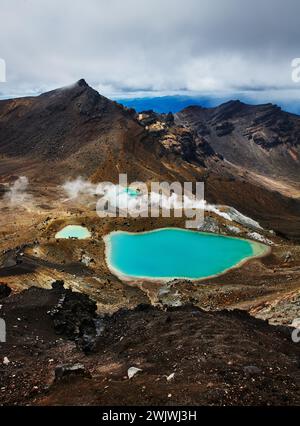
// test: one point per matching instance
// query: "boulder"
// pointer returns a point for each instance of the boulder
(252, 370)
(68, 370)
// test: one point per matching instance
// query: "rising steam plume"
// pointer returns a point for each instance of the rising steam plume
(17, 194)
(79, 187)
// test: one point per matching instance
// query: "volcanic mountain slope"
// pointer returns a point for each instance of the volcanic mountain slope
(73, 127)
(263, 139)
(60, 352)
(248, 156)
(260, 148)
(74, 130)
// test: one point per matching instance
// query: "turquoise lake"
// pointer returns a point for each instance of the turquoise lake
(73, 231)
(175, 253)
(131, 192)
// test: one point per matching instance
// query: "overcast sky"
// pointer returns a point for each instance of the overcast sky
(166, 46)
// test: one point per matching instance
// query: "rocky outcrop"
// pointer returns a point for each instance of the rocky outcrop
(74, 317)
(210, 225)
(224, 128)
(5, 290)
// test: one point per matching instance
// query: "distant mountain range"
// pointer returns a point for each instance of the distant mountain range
(248, 156)
(165, 104)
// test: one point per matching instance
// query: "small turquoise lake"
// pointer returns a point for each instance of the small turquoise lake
(73, 231)
(131, 192)
(176, 253)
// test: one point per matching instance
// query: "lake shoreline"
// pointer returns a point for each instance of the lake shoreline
(259, 250)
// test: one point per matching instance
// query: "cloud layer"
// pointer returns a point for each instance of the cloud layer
(206, 46)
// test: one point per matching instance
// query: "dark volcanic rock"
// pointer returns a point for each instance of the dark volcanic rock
(70, 370)
(169, 119)
(58, 285)
(3, 190)
(252, 370)
(87, 336)
(224, 128)
(74, 317)
(5, 290)
(259, 138)
(227, 111)
(148, 117)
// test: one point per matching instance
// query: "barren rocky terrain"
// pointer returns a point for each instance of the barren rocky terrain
(60, 353)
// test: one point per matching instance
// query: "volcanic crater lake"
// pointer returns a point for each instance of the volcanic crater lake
(176, 253)
(73, 231)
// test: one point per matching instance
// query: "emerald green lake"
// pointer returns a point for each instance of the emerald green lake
(176, 253)
(73, 231)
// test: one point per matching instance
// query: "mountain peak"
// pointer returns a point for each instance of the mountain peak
(81, 83)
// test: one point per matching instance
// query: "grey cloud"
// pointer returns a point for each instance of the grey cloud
(161, 45)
